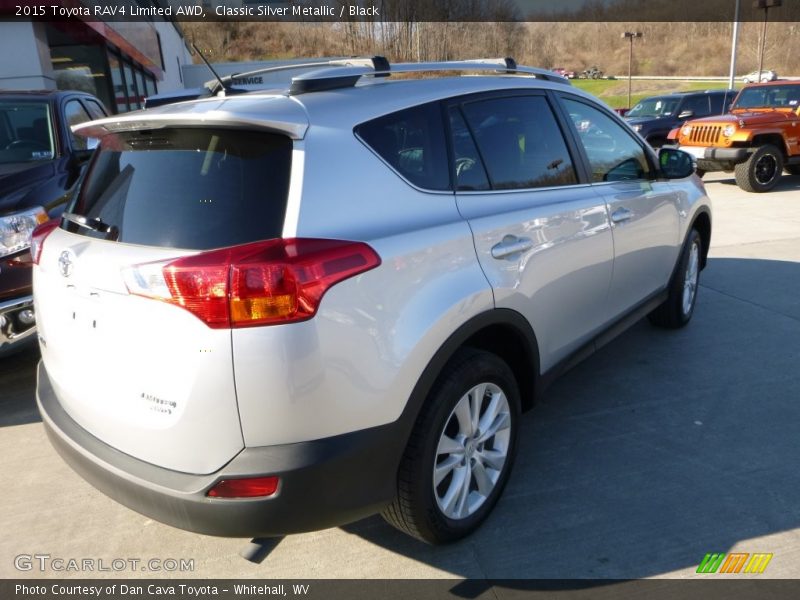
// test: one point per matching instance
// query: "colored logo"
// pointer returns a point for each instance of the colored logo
(735, 562)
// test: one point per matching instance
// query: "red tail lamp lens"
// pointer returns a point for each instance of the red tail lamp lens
(254, 487)
(263, 283)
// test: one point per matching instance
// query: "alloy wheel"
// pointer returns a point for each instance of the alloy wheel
(691, 278)
(472, 451)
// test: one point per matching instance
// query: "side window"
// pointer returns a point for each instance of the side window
(75, 115)
(614, 155)
(469, 171)
(698, 105)
(412, 142)
(94, 108)
(520, 142)
(717, 101)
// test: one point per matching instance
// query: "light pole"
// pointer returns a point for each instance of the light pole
(631, 35)
(734, 42)
(766, 5)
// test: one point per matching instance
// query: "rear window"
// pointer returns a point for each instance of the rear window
(187, 188)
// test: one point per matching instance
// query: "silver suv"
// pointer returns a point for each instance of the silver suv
(269, 313)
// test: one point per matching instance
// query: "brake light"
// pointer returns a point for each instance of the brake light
(253, 487)
(38, 236)
(263, 283)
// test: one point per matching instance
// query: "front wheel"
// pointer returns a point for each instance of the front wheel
(760, 172)
(676, 311)
(461, 450)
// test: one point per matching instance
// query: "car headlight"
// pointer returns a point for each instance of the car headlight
(16, 229)
(637, 128)
(729, 130)
(687, 129)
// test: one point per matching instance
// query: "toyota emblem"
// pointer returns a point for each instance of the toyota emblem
(66, 262)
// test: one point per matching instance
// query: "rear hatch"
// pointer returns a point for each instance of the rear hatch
(144, 375)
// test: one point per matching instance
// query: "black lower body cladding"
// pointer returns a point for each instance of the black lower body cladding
(324, 483)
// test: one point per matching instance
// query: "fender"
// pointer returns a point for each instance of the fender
(471, 330)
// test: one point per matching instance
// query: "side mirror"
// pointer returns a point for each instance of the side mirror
(81, 156)
(675, 164)
(84, 154)
(686, 114)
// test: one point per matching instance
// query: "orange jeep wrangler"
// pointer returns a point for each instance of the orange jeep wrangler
(758, 139)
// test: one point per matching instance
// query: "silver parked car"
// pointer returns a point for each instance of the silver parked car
(268, 313)
(759, 77)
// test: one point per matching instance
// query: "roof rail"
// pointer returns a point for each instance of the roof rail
(347, 75)
(376, 63)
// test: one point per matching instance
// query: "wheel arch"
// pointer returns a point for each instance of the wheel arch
(501, 331)
(702, 222)
(774, 138)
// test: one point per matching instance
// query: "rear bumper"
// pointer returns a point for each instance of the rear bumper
(324, 483)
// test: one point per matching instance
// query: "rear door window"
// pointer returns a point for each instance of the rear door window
(76, 114)
(187, 188)
(520, 142)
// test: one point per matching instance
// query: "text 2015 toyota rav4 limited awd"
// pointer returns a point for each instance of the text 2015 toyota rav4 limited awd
(272, 313)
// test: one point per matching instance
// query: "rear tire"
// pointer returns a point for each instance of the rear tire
(762, 171)
(676, 311)
(461, 450)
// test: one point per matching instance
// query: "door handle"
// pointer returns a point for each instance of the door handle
(511, 244)
(621, 214)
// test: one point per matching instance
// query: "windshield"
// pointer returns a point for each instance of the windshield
(26, 132)
(654, 107)
(769, 96)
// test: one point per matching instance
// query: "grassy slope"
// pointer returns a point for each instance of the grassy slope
(615, 92)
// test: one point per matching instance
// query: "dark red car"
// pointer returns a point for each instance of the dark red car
(40, 163)
(564, 72)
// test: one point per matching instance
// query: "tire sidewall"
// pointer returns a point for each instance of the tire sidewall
(487, 368)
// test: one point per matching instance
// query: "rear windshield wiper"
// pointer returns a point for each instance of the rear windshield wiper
(110, 231)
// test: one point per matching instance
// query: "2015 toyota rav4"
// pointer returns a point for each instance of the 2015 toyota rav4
(272, 313)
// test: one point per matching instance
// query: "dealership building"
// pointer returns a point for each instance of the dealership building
(119, 62)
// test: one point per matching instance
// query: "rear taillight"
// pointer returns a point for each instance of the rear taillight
(38, 236)
(264, 283)
(252, 487)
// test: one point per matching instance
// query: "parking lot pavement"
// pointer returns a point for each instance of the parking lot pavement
(660, 448)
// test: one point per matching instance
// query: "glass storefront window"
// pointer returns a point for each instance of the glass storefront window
(120, 96)
(82, 68)
(150, 82)
(130, 84)
(140, 87)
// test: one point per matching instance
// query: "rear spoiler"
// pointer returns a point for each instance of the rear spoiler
(172, 116)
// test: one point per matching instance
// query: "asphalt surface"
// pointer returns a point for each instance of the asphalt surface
(658, 449)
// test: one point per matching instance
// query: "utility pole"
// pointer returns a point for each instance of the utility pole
(734, 43)
(630, 35)
(766, 5)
